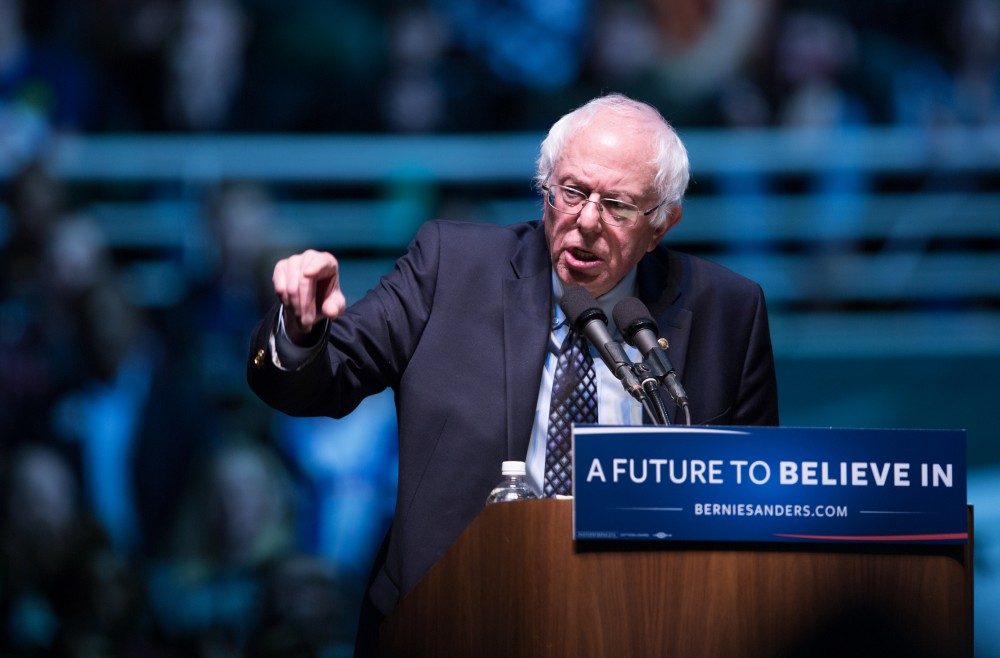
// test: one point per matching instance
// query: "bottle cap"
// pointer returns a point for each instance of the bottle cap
(512, 468)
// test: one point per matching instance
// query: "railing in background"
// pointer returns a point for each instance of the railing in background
(854, 235)
(501, 157)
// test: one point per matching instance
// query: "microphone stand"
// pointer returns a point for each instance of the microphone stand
(653, 403)
(654, 373)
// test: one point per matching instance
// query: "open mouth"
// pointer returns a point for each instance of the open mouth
(583, 255)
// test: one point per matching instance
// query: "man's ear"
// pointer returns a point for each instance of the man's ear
(673, 217)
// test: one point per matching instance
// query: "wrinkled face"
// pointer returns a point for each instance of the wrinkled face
(609, 158)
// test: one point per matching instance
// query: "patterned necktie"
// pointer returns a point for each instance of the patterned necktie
(574, 400)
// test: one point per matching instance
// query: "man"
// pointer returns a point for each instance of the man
(461, 329)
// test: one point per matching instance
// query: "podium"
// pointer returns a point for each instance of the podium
(516, 583)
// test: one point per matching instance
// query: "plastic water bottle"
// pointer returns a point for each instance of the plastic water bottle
(513, 486)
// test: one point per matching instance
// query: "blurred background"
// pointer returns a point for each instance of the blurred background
(157, 157)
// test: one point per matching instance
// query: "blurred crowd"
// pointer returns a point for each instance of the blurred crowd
(148, 506)
(485, 65)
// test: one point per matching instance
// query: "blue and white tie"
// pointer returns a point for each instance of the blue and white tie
(574, 400)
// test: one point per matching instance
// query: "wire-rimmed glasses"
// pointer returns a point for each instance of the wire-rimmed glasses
(615, 212)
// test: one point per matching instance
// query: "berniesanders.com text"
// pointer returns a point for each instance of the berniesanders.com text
(756, 509)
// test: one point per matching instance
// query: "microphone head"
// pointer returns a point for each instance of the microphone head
(580, 307)
(631, 316)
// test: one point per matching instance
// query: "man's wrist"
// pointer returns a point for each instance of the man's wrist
(290, 355)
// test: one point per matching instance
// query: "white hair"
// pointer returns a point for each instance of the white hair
(670, 156)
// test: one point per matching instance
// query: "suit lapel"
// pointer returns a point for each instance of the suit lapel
(664, 303)
(527, 304)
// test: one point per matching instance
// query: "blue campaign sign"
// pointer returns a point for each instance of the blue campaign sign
(773, 484)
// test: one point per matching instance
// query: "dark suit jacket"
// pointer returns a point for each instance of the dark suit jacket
(459, 331)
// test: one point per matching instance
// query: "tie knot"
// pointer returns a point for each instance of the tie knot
(575, 340)
(576, 344)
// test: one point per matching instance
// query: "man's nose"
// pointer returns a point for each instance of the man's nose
(590, 216)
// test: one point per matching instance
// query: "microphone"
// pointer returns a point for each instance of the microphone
(640, 331)
(586, 316)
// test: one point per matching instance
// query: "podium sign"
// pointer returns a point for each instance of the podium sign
(771, 484)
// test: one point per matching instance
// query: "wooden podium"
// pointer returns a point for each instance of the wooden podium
(515, 583)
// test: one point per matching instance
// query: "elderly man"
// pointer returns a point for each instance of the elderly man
(467, 328)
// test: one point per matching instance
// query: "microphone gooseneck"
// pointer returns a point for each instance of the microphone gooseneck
(639, 330)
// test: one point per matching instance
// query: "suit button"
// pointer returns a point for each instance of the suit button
(258, 359)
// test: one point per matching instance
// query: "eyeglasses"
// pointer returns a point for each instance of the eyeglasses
(571, 201)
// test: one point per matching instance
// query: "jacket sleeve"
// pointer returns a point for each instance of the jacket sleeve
(366, 349)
